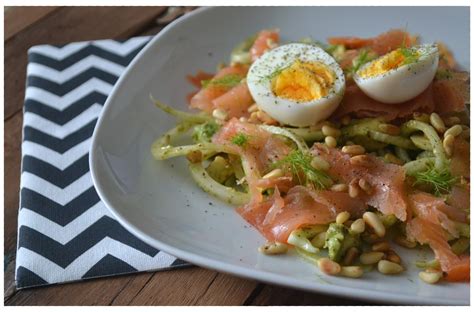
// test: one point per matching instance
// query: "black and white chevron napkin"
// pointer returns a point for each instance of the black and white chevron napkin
(65, 232)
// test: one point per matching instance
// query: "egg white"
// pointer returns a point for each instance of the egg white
(286, 111)
(403, 83)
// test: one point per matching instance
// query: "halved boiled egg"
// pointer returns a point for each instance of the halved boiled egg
(296, 84)
(399, 75)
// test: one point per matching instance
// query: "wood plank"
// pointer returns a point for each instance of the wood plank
(227, 290)
(177, 287)
(12, 163)
(131, 290)
(19, 18)
(101, 291)
(68, 25)
(282, 296)
(191, 286)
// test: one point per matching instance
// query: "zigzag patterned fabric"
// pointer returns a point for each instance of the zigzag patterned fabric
(65, 232)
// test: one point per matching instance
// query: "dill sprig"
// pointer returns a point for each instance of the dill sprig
(410, 55)
(240, 139)
(298, 164)
(227, 81)
(274, 74)
(362, 58)
(440, 180)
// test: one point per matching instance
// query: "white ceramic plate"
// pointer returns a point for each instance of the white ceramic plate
(159, 202)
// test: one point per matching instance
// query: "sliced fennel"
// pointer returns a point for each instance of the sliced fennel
(299, 239)
(289, 134)
(183, 116)
(209, 185)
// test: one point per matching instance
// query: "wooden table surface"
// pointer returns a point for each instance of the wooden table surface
(28, 26)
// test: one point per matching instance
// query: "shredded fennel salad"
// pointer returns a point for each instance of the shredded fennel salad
(395, 176)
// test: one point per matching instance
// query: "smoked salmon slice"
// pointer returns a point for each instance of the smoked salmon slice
(387, 180)
(426, 232)
(266, 39)
(203, 99)
(460, 161)
(260, 150)
(302, 206)
(435, 210)
(380, 44)
(235, 102)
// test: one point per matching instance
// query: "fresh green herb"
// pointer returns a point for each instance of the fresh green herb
(240, 139)
(339, 240)
(440, 180)
(275, 73)
(227, 81)
(410, 55)
(334, 239)
(299, 164)
(431, 264)
(362, 58)
(204, 132)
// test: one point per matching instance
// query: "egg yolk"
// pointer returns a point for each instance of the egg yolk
(303, 81)
(389, 61)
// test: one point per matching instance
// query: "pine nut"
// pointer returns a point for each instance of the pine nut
(194, 157)
(358, 226)
(273, 248)
(421, 117)
(374, 222)
(346, 120)
(370, 238)
(252, 108)
(330, 131)
(387, 267)
(243, 119)
(454, 131)
(342, 217)
(402, 241)
(448, 144)
(352, 271)
(328, 266)
(319, 163)
(330, 141)
(341, 187)
(389, 157)
(392, 256)
(353, 149)
(451, 121)
(319, 240)
(389, 129)
(265, 118)
(437, 122)
(219, 114)
(361, 160)
(353, 190)
(350, 256)
(381, 246)
(365, 186)
(371, 257)
(276, 173)
(253, 118)
(430, 277)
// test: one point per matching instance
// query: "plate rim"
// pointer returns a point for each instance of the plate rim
(221, 266)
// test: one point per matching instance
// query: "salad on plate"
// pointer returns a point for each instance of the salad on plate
(339, 150)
